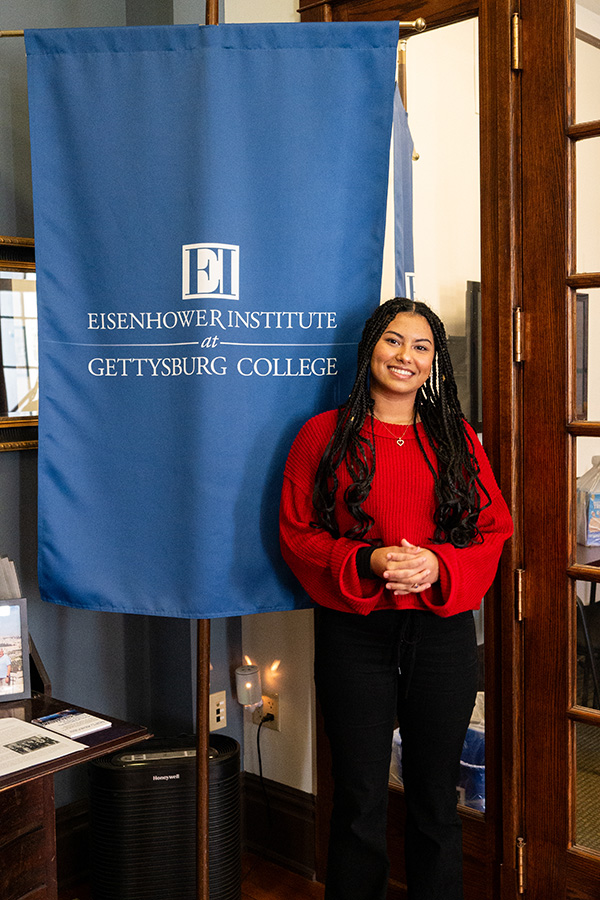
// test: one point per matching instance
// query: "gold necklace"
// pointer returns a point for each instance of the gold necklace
(400, 440)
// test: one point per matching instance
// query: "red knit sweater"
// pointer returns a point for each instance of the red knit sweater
(402, 502)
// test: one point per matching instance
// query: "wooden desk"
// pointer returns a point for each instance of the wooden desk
(28, 832)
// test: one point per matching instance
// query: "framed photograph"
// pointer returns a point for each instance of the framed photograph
(14, 651)
(18, 345)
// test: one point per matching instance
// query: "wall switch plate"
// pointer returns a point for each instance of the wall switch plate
(217, 711)
(270, 705)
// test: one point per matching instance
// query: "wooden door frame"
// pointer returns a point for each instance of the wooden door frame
(546, 83)
(501, 240)
(501, 218)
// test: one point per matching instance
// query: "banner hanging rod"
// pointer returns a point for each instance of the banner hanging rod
(417, 25)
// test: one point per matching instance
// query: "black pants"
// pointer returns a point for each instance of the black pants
(369, 669)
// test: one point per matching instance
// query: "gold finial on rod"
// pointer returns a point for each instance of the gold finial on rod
(418, 25)
(11, 34)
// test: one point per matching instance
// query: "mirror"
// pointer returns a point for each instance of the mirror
(18, 345)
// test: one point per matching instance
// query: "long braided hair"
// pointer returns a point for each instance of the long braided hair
(436, 403)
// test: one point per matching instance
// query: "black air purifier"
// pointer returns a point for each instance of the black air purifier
(143, 821)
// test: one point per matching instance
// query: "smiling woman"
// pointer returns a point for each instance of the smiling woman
(402, 528)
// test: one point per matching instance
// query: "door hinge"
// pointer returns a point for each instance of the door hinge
(519, 594)
(521, 879)
(518, 334)
(516, 64)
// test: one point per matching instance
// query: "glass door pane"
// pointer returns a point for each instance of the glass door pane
(587, 156)
(588, 500)
(587, 790)
(587, 678)
(585, 656)
(587, 55)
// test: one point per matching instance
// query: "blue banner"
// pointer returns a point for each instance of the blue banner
(209, 215)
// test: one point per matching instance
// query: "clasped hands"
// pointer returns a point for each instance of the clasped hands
(406, 569)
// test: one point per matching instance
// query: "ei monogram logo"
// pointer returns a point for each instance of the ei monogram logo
(211, 271)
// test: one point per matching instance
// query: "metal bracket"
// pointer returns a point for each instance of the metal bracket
(516, 63)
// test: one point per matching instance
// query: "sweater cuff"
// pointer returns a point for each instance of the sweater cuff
(363, 562)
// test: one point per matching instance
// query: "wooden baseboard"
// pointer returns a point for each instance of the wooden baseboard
(279, 823)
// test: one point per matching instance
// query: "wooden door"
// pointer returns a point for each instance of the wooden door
(561, 304)
(490, 836)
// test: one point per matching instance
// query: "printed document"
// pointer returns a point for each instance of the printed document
(23, 745)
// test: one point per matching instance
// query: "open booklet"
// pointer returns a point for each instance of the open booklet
(72, 723)
(23, 744)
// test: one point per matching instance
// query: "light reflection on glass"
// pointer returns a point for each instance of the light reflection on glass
(587, 787)
(19, 348)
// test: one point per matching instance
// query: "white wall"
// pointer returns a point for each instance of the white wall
(261, 11)
(186, 12)
(443, 116)
(288, 756)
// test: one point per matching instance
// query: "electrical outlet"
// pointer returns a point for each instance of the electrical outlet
(270, 705)
(217, 711)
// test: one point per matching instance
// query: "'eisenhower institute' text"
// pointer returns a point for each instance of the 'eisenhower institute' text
(209, 318)
(217, 319)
